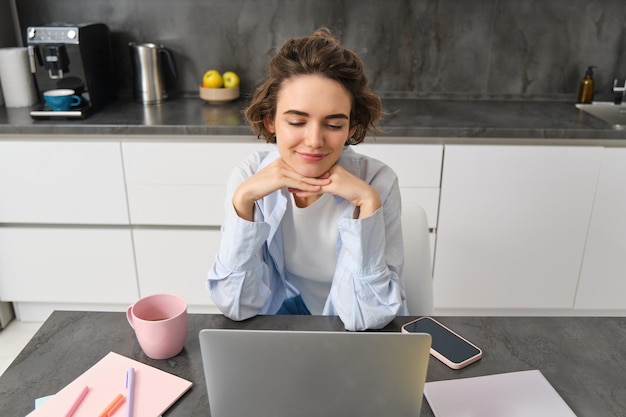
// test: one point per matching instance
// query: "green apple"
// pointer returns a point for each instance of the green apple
(231, 79)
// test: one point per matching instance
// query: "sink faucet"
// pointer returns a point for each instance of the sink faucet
(619, 92)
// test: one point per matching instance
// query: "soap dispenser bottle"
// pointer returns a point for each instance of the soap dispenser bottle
(585, 91)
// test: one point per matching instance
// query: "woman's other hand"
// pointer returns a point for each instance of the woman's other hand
(275, 176)
(352, 188)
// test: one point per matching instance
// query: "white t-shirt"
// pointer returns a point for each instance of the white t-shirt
(310, 245)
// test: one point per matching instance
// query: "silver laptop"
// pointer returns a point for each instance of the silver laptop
(271, 373)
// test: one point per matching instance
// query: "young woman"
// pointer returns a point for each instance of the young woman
(312, 227)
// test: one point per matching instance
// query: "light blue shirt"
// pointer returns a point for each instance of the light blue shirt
(248, 276)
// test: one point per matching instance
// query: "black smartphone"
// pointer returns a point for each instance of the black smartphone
(447, 346)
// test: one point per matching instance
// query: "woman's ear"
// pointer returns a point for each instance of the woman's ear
(269, 124)
(352, 130)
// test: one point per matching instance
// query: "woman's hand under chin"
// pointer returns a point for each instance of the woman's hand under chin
(350, 187)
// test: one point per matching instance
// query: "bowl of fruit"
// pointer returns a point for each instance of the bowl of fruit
(219, 88)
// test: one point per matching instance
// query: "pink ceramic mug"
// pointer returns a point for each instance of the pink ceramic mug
(160, 324)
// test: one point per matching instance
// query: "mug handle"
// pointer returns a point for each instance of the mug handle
(76, 100)
(129, 316)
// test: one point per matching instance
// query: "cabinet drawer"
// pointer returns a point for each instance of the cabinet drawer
(185, 163)
(69, 265)
(415, 165)
(169, 204)
(181, 183)
(176, 261)
(62, 182)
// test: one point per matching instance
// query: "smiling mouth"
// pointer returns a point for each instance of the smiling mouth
(312, 157)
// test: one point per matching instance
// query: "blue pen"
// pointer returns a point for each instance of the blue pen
(130, 389)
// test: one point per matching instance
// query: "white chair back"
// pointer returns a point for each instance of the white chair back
(417, 274)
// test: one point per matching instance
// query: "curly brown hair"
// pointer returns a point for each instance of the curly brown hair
(320, 54)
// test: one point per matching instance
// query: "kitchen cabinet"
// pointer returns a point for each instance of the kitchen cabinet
(512, 227)
(64, 234)
(97, 222)
(181, 186)
(176, 193)
(602, 283)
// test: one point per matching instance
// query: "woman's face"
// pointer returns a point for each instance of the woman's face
(312, 123)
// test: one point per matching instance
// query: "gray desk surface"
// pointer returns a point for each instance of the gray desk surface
(583, 357)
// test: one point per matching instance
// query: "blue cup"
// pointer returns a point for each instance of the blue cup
(62, 99)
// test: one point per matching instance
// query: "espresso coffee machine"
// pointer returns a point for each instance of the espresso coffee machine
(74, 56)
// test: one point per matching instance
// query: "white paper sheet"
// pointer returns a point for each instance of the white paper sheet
(514, 394)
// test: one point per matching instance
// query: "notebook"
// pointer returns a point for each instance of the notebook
(268, 373)
(155, 390)
(524, 393)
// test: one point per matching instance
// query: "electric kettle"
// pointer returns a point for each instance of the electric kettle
(148, 60)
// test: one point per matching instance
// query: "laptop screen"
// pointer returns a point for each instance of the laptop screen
(270, 373)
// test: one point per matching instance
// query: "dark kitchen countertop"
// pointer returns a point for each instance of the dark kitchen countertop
(406, 120)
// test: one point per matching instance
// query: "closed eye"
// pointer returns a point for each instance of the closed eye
(338, 117)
